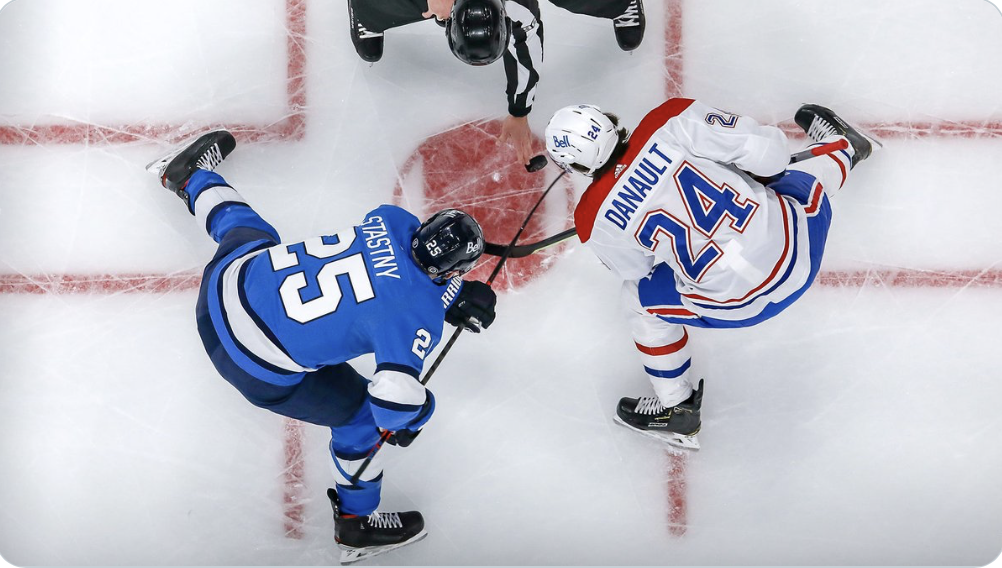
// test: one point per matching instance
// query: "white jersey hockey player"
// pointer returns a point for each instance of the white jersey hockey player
(701, 214)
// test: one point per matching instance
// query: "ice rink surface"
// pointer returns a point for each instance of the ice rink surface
(860, 427)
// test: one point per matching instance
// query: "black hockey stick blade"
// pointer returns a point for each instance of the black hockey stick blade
(520, 251)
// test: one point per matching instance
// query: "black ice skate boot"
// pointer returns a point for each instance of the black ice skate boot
(820, 122)
(204, 153)
(677, 425)
(630, 25)
(364, 537)
(368, 44)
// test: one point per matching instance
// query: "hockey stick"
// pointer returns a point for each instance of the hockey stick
(819, 151)
(520, 251)
(459, 329)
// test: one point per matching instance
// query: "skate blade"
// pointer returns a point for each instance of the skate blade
(670, 438)
(875, 142)
(157, 166)
(350, 555)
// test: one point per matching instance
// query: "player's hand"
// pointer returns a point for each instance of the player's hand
(515, 130)
(441, 9)
(474, 307)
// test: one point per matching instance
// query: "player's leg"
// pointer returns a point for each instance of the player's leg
(221, 209)
(674, 412)
(359, 529)
(826, 173)
(367, 20)
(628, 18)
(663, 348)
(188, 172)
(821, 123)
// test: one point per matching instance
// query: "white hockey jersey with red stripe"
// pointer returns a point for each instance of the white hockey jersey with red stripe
(680, 195)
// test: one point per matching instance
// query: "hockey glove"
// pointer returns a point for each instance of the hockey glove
(474, 307)
(402, 438)
(405, 436)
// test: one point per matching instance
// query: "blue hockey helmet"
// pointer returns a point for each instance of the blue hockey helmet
(478, 31)
(447, 245)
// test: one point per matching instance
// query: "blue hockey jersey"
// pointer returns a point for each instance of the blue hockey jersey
(293, 308)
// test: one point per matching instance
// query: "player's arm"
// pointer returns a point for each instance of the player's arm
(398, 400)
(729, 138)
(625, 260)
(401, 344)
(441, 9)
(524, 55)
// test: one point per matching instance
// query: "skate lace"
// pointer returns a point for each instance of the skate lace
(211, 158)
(364, 33)
(630, 17)
(649, 405)
(820, 128)
(385, 520)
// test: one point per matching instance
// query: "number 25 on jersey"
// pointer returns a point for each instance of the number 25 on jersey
(282, 257)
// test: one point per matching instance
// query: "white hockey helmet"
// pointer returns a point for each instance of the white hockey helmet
(581, 135)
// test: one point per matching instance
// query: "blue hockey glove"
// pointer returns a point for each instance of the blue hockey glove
(474, 307)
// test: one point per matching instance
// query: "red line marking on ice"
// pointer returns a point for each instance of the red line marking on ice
(917, 130)
(676, 482)
(294, 479)
(674, 62)
(290, 127)
(189, 281)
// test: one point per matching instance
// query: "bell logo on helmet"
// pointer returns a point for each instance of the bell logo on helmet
(561, 142)
(594, 134)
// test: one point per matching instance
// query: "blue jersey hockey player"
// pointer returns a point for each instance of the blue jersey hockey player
(280, 320)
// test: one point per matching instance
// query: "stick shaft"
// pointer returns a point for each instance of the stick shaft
(821, 150)
(455, 335)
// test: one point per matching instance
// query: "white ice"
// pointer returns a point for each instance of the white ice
(861, 427)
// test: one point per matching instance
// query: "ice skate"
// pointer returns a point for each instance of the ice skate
(630, 25)
(368, 44)
(205, 153)
(677, 425)
(820, 122)
(360, 538)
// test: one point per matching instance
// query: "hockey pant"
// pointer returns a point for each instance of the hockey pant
(334, 396)
(662, 339)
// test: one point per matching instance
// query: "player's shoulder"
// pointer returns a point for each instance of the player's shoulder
(392, 218)
(394, 212)
(660, 116)
(591, 201)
